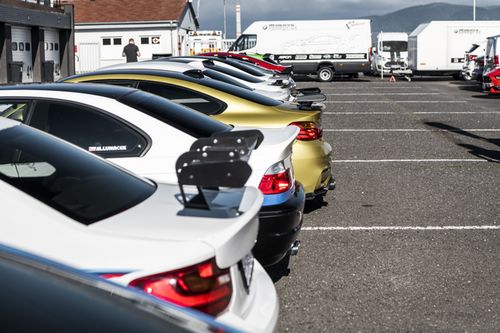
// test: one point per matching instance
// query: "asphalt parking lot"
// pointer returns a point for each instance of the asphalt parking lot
(410, 239)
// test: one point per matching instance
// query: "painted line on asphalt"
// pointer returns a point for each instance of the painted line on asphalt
(395, 102)
(372, 87)
(409, 113)
(404, 228)
(384, 94)
(410, 130)
(430, 160)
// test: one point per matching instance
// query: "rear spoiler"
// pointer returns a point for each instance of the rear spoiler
(211, 163)
(307, 91)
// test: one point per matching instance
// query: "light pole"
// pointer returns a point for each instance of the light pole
(473, 10)
(225, 23)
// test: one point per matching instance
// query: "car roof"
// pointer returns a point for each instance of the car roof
(114, 92)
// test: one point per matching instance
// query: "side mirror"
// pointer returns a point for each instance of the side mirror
(374, 50)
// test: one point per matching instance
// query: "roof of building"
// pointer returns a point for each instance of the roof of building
(111, 11)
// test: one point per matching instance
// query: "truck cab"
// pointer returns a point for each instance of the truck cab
(491, 59)
(391, 54)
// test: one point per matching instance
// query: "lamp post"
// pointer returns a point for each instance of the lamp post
(225, 23)
(473, 10)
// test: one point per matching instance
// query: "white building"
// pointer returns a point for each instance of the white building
(104, 27)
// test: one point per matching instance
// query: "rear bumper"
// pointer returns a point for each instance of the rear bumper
(256, 311)
(279, 227)
(311, 162)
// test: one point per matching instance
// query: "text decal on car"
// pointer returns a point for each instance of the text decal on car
(107, 148)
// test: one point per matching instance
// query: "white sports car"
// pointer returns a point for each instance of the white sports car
(190, 247)
(146, 134)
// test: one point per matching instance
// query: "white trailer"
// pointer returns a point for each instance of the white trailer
(391, 54)
(324, 48)
(438, 47)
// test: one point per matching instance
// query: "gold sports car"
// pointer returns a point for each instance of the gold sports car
(236, 106)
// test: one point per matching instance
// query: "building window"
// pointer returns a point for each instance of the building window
(21, 46)
(14, 46)
(27, 46)
(155, 40)
(106, 41)
(56, 47)
(46, 46)
(51, 46)
(117, 41)
(144, 40)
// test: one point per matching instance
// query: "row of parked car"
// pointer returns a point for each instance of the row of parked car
(482, 64)
(167, 176)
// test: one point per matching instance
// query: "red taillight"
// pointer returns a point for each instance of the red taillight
(277, 179)
(111, 275)
(308, 131)
(204, 287)
(472, 57)
(495, 60)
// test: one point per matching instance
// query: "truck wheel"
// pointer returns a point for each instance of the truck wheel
(325, 74)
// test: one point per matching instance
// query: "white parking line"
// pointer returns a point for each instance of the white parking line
(430, 160)
(409, 130)
(374, 87)
(384, 94)
(404, 228)
(409, 113)
(396, 102)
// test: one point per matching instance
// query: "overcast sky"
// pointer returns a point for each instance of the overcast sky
(211, 11)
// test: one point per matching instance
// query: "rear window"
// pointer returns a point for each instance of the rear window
(238, 92)
(73, 182)
(184, 119)
(237, 74)
(224, 78)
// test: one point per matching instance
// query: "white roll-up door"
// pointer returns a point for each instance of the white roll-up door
(21, 50)
(52, 50)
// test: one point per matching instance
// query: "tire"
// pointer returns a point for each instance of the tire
(325, 74)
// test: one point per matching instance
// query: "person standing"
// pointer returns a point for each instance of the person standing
(131, 51)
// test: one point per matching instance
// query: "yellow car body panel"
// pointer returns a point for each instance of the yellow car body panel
(311, 159)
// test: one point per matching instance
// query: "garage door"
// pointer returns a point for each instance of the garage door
(88, 57)
(21, 50)
(52, 50)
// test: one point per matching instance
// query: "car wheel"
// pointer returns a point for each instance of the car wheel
(325, 74)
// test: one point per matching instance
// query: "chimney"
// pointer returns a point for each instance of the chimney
(238, 20)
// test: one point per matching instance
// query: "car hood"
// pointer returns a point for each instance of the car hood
(158, 219)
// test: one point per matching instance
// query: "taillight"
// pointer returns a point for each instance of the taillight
(204, 287)
(472, 57)
(495, 60)
(308, 131)
(276, 180)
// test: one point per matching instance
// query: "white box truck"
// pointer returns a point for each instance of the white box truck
(323, 47)
(438, 47)
(391, 54)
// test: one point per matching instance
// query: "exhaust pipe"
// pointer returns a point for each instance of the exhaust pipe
(294, 249)
(332, 184)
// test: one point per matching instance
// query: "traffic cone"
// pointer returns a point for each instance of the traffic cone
(392, 79)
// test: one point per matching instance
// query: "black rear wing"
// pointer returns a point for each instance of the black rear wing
(212, 163)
